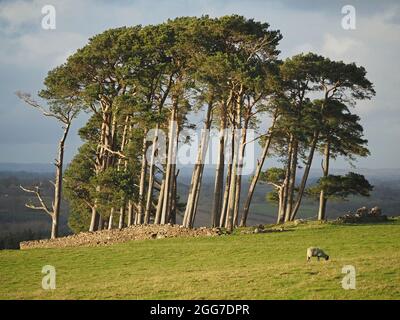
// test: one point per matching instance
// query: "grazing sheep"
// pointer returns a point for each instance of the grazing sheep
(316, 252)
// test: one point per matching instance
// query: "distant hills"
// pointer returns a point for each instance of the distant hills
(209, 171)
(26, 167)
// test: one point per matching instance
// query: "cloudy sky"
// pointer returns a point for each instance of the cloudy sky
(27, 52)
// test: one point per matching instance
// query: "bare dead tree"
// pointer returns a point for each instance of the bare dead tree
(64, 113)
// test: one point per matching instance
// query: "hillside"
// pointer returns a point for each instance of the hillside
(239, 266)
(18, 223)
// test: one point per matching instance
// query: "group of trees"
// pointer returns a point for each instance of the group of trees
(136, 82)
(324, 124)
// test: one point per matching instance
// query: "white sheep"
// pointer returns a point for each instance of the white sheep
(316, 252)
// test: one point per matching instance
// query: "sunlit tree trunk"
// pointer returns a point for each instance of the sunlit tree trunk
(120, 162)
(254, 180)
(121, 217)
(286, 184)
(101, 156)
(225, 202)
(235, 162)
(169, 166)
(157, 218)
(280, 205)
(322, 198)
(189, 203)
(172, 195)
(225, 198)
(172, 218)
(305, 175)
(195, 186)
(231, 197)
(292, 178)
(142, 182)
(95, 215)
(238, 187)
(58, 183)
(110, 218)
(151, 176)
(130, 213)
(219, 174)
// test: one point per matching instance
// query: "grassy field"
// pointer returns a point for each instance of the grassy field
(240, 266)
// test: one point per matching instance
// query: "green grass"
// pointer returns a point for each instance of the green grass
(254, 266)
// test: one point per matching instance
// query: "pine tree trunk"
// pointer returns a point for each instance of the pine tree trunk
(172, 196)
(195, 186)
(169, 167)
(101, 157)
(232, 193)
(94, 218)
(151, 177)
(189, 201)
(130, 213)
(219, 175)
(100, 223)
(292, 179)
(172, 218)
(225, 199)
(121, 222)
(322, 206)
(58, 184)
(110, 218)
(124, 140)
(238, 187)
(256, 176)
(135, 221)
(229, 175)
(104, 159)
(322, 198)
(54, 228)
(157, 218)
(107, 140)
(113, 138)
(280, 205)
(142, 183)
(232, 186)
(196, 199)
(305, 176)
(286, 185)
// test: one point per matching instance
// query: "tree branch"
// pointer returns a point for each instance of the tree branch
(118, 153)
(27, 98)
(260, 136)
(39, 196)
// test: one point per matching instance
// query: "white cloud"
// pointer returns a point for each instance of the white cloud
(303, 48)
(16, 14)
(339, 47)
(25, 43)
(45, 48)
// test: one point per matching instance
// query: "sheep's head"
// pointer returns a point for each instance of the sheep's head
(327, 258)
